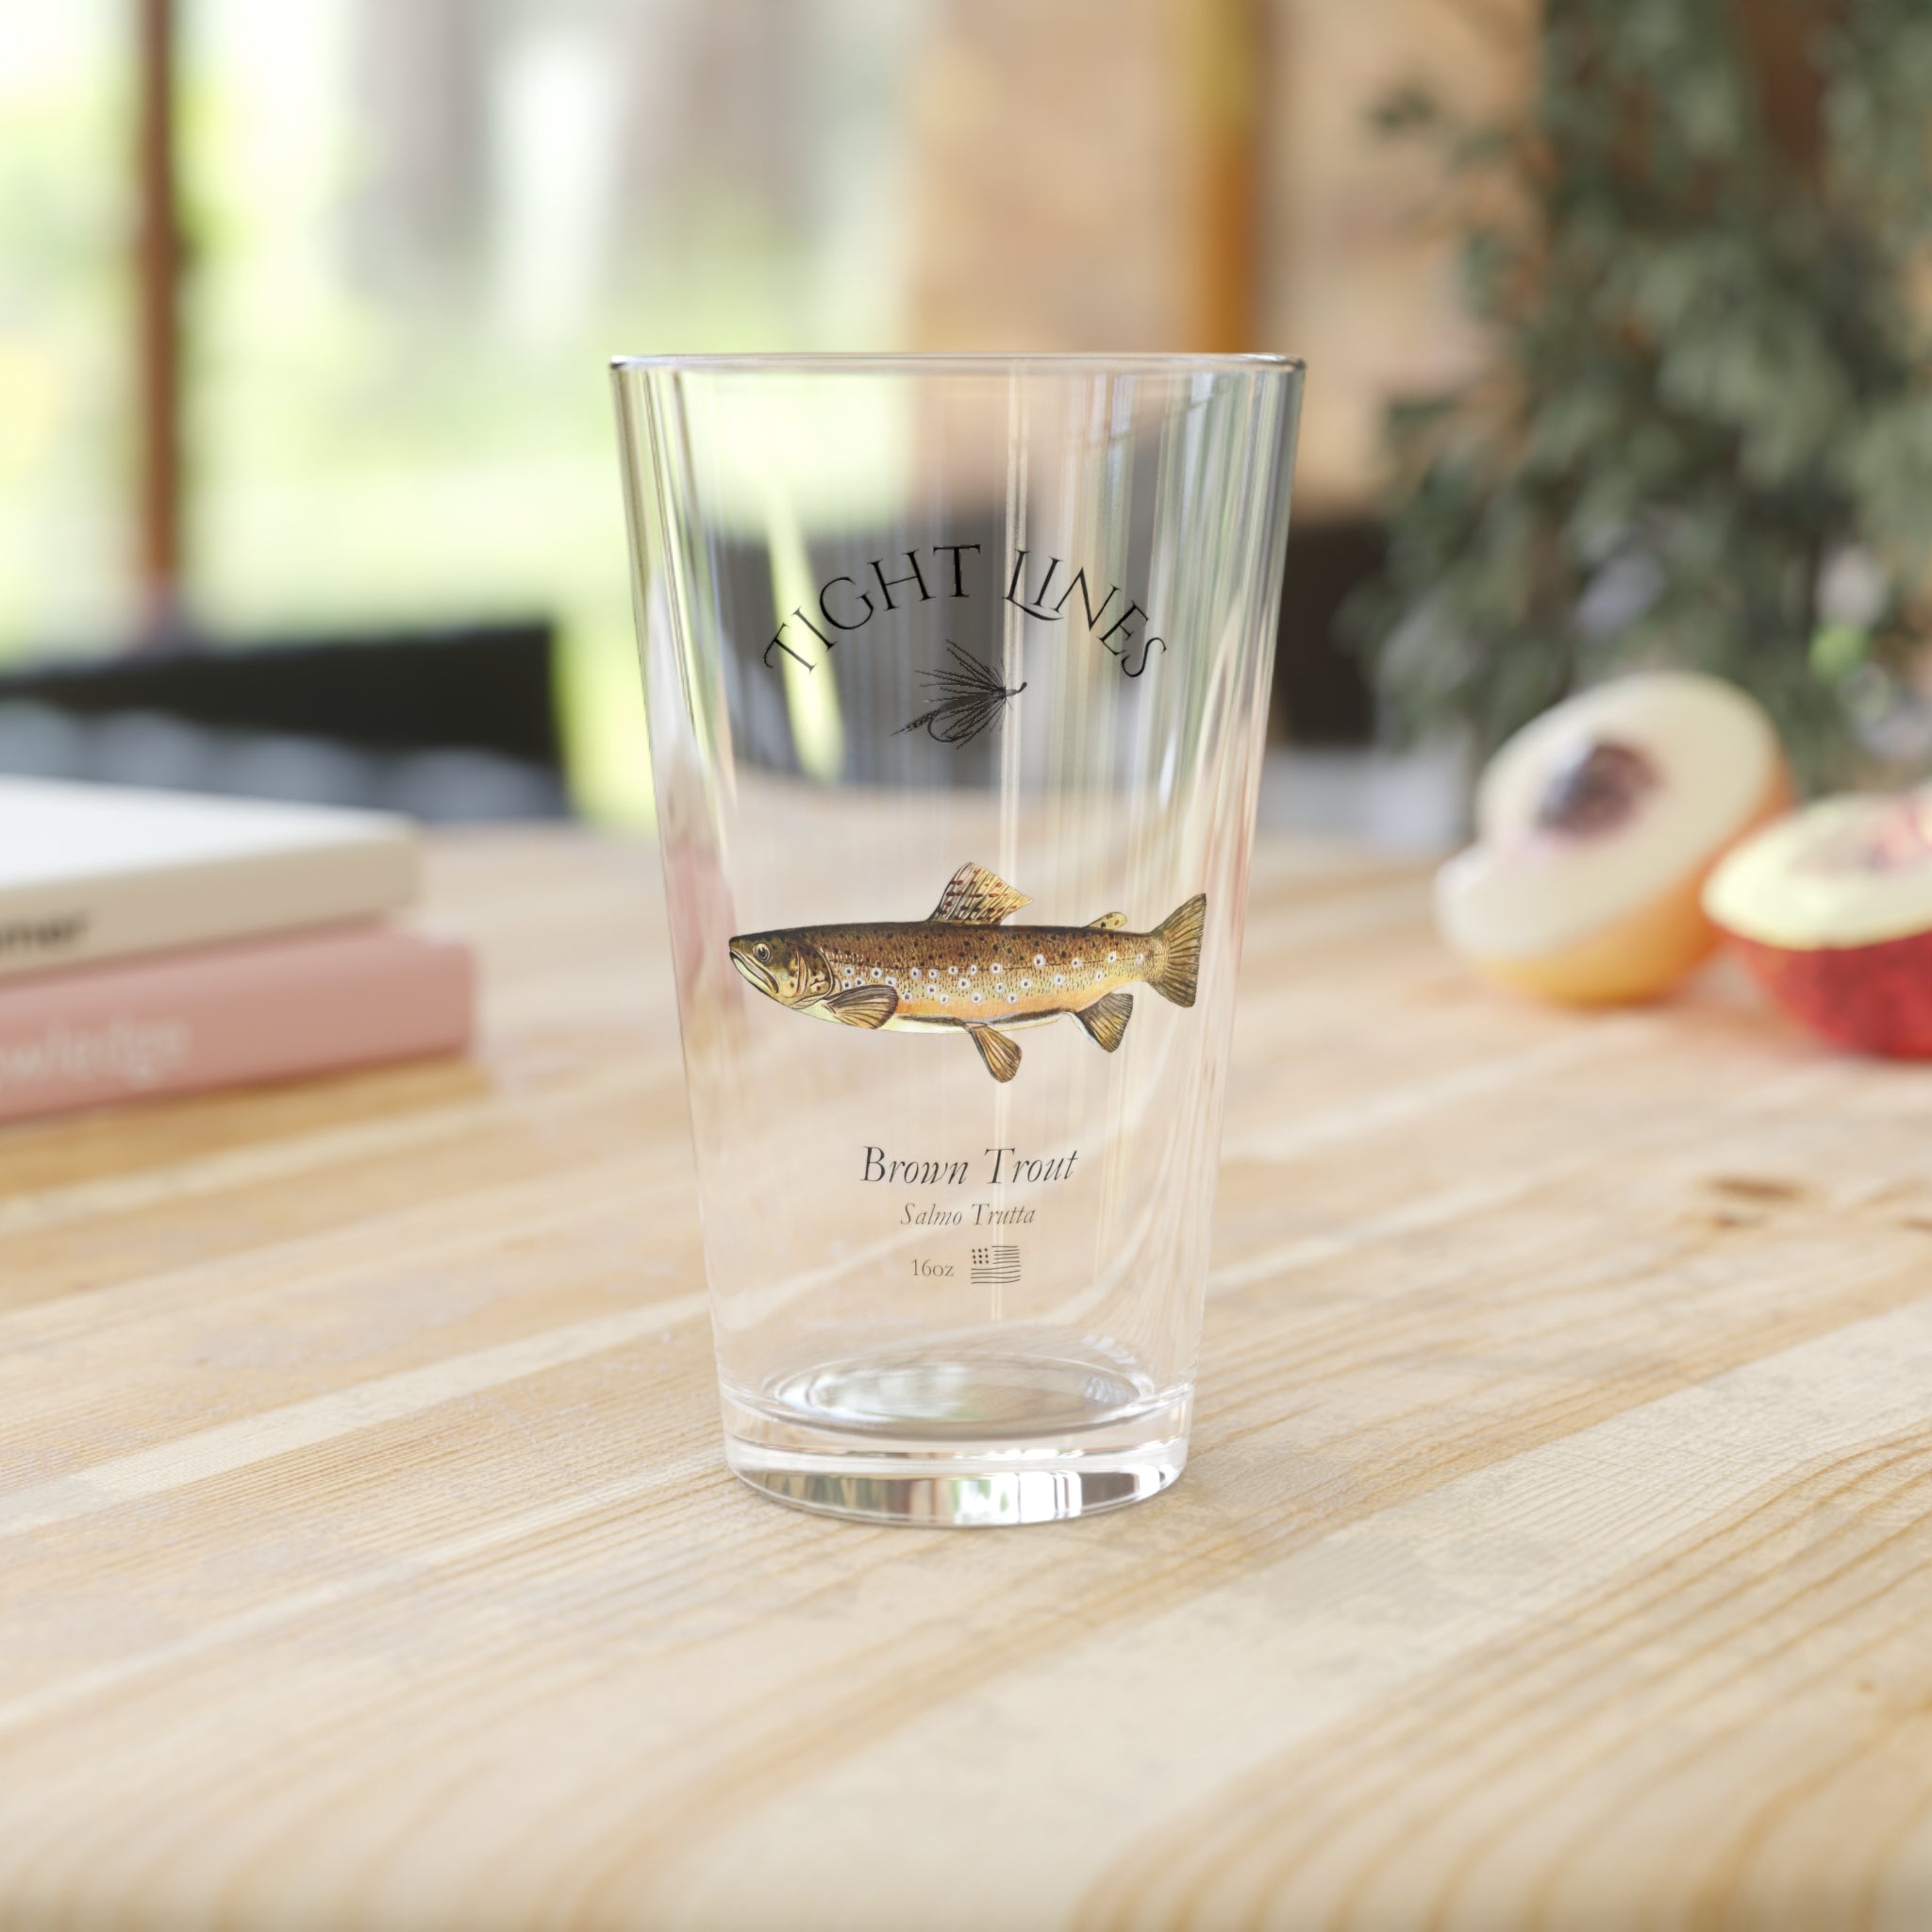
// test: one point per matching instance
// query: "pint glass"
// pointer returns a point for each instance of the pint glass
(956, 671)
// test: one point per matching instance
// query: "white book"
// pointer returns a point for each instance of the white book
(102, 871)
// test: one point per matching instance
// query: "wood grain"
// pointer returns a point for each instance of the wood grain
(1554, 1552)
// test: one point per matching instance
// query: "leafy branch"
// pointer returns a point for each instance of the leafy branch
(1703, 431)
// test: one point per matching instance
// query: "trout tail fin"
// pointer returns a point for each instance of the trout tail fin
(1178, 965)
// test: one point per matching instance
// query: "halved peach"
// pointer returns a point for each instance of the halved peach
(1596, 826)
(1831, 910)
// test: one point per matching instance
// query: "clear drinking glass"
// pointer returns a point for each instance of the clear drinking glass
(957, 669)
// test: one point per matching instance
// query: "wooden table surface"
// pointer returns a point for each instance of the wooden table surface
(1556, 1549)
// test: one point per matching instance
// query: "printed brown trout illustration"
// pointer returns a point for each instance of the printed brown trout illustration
(963, 970)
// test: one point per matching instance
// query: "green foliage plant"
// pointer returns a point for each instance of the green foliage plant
(1702, 431)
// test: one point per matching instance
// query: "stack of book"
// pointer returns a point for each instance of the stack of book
(155, 942)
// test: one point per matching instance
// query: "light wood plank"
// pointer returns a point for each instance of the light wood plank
(1553, 1551)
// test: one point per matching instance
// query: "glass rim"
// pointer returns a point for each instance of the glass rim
(922, 361)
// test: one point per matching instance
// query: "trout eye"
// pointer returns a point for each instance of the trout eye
(764, 952)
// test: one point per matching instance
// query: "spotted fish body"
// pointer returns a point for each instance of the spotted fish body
(964, 970)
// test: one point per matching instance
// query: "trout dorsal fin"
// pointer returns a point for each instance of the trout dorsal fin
(1108, 922)
(974, 896)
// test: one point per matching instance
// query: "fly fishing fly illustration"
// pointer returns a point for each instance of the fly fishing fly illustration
(970, 699)
(964, 970)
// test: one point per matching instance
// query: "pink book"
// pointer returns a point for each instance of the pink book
(267, 1009)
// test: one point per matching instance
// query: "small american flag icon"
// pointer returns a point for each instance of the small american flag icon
(995, 1267)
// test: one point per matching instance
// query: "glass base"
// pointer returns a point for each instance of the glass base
(972, 1441)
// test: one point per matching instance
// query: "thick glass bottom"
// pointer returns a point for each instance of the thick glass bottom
(973, 1440)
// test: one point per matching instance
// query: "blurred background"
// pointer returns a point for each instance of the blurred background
(306, 471)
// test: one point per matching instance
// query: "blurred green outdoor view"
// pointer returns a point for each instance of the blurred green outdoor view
(416, 234)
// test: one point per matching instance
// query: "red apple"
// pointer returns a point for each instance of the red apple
(1832, 911)
(1596, 825)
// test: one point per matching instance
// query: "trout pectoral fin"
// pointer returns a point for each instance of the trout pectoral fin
(1106, 1020)
(974, 896)
(1001, 1054)
(1108, 922)
(869, 1007)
